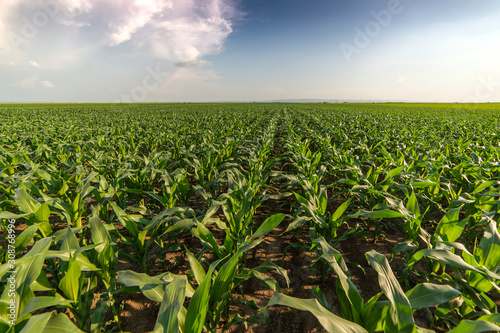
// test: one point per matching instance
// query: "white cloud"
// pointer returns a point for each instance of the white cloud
(174, 30)
(33, 64)
(47, 84)
(32, 82)
(190, 63)
(27, 83)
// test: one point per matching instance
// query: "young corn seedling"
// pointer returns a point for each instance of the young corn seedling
(209, 303)
(138, 228)
(239, 206)
(393, 315)
(32, 211)
(21, 286)
(176, 189)
(314, 206)
(481, 270)
(73, 209)
(76, 275)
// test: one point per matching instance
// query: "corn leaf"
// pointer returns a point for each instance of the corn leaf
(42, 302)
(173, 298)
(425, 295)
(36, 323)
(25, 202)
(70, 283)
(401, 314)
(476, 326)
(198, 306)
(61, 324)
(331, 322)
(268, 225)
(450, 228)
(378, 214)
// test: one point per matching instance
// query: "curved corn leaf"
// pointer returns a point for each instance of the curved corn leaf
(268, 225)
(338, 213)
(173, 298)
(475, 326)
(42, 302)
(25, 202)
(401, 314)
(151, 287)
(67, 255)
(426, 295)
(444, 257)
(70, 283)
(25, 237)
(450, 228)
(44, 323)
(198, 306)
(331, 322)
(37, 322)
(378, 214)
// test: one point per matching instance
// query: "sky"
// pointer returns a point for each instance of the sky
(249, 50)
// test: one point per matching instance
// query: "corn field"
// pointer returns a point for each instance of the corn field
(249, 218)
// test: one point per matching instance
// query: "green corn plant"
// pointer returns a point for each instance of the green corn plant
(106, 259)
(412, 217)
(143, 176)
(330, 322)
(20, 244)
(49, 322)
(323, 222)
(233, 272)
(32, 212)
(480, 267)
(372, 187)
(73, 209)
(76, 275)
(9, 162)
(138, 228)
(29, 278)
(205, 165)
(239, 205)
(394, 315)
(137, 237)
(176, 188)
(104, 194)
(304, 160)
(379, 212)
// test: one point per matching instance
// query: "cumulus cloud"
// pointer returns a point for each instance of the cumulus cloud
(181, 31)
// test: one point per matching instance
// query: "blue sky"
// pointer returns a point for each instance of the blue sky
(249, 50)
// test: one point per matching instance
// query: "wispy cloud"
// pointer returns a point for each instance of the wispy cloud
(32, 82)
(190, 63)
(27, 83)
(33, 64)
(47, 84)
